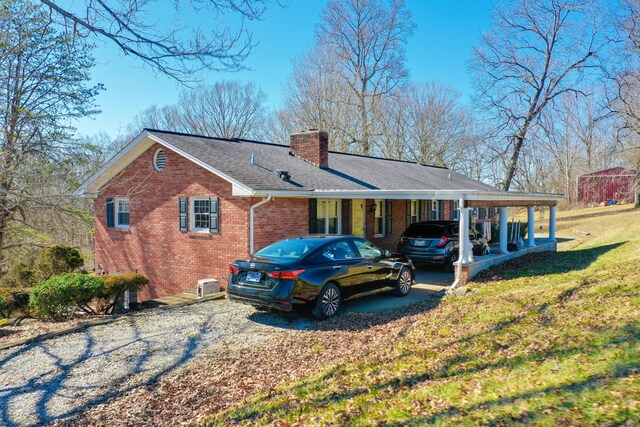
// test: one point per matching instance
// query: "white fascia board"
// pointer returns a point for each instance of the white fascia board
(131, 152)
(411, 194)
(118, 162)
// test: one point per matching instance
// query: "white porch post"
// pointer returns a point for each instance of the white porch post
(466, 249)
(552, 223)
(531, 241)
(504, 218)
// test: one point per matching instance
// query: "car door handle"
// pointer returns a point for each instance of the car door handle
(368, 265)
(337, 267)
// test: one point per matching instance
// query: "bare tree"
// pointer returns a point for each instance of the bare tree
(176, 49)
(317, 97)
(535, 52)
(438, 127)
(368, 39)
(44, 79)
(226, 110)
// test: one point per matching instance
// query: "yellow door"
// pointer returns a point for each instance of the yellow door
(357, 217)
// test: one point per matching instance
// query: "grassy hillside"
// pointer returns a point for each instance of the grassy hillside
(548, 339)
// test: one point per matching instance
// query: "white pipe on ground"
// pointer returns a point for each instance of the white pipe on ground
(260, 203)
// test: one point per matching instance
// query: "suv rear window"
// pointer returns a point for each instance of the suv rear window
(428, 231)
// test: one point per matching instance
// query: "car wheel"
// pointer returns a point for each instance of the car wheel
(328, 302)
(448, 265)
(403, 282)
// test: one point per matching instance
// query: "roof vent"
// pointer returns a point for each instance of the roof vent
(253, 159)
(282, 174)
(159, 159)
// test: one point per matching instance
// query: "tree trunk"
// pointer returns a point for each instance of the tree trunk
(513, 163)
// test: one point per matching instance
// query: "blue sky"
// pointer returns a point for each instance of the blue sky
(446, 31)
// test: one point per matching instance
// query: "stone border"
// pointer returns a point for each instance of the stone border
(101, 321)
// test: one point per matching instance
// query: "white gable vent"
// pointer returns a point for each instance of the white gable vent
(159, 159)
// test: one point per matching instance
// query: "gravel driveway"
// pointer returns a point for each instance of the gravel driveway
(56, 378)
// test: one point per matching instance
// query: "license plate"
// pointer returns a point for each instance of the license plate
(253, 276)
(419, 243)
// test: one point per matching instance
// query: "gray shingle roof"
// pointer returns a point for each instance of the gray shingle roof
(345, 172)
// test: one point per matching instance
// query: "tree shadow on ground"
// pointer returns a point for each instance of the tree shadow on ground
(597, 214)
(54, 393)
(541, 263)
(460, 365)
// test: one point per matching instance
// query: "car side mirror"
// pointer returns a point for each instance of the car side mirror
(386, 253)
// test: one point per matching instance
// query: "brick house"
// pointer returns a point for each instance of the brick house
(180, 208)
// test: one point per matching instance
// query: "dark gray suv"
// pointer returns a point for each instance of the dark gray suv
(435, 242)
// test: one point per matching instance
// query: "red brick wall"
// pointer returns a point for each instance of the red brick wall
(399, 224)
(281, 218)
(153, 244)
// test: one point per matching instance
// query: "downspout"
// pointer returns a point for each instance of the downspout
(260, 203)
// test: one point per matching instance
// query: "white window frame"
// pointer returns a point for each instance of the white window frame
(435, 210)
(192, 216)
(383, 213)
(326, 215)
(414, 208)
(456, 210)
(118, 202)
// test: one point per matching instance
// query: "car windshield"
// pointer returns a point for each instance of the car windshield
(288, 249)
(425, 231)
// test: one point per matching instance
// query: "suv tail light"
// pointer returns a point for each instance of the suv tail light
(285, 275)
(233, 269)
(402, 241)
(443, 241)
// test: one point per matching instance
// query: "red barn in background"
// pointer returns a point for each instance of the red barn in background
(606, 185)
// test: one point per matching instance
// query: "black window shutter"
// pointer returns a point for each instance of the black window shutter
(313, 216)
(408, 208)
(441, 209)
(451, 210)
(183, 205)
(214, 215)
(389, 216)
(110, 209)
(346, 216)
(420, 210)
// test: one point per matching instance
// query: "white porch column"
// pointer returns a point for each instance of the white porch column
(466, 249)
(504, 225)
(552, 223)
(532, 227)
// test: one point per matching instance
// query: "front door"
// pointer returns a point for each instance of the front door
(357, 217)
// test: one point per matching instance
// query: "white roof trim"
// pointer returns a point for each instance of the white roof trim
(411, 194)
(131, 152)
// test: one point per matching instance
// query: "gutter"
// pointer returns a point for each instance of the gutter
(260, 203)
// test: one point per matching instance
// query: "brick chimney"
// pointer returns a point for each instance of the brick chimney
(312, 146)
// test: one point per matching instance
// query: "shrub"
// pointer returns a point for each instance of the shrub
(58, 260)
(115, 285)
(2, 313)
(20, 275)
(15, 300)
(56, 297)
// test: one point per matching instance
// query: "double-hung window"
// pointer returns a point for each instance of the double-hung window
(328, 218)
(413, 211)
(435, 210)
(379, 225)
(455, 211)
(200, 214)
(122, 212)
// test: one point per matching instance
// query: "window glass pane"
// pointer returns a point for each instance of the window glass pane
(122, 210)
(321, 224)
(367, 249)
(339, 251)
(201, 213)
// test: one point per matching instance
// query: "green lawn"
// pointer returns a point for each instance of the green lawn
(549, 339)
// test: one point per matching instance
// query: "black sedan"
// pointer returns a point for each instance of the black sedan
(318, 272)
